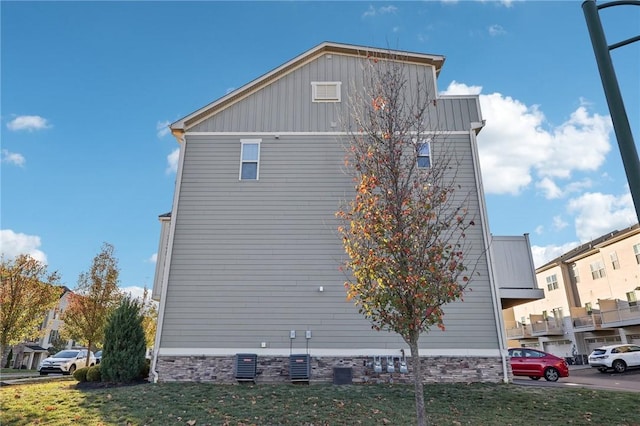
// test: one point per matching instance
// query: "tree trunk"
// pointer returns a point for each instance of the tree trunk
(88, 354)
(421, 414)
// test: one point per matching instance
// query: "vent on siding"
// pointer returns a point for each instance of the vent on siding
(326, 91)
(246, 367)
(299, 367)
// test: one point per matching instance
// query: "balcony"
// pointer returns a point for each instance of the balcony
(514, 271)
(549, 326)
(516, 330)
(584, 320)
(619, 313)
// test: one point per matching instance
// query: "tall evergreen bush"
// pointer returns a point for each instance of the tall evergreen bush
(123, 354)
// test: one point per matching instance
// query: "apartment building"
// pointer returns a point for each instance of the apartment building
(591, 299)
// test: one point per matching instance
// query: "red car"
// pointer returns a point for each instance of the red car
(536, 364)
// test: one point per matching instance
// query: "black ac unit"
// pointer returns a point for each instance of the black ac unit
(246, 367)
(299, 367)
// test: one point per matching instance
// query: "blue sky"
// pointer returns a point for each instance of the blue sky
(89, 87)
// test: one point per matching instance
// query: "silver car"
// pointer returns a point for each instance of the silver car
(617, 357)
(66, 361)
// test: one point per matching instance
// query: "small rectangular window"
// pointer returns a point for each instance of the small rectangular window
(631, 298)
(552, 282)
(597, 270)
(424, 155)
(589, 308)
(614, 260)
(326, 91)
(249, 159)
(636, 251)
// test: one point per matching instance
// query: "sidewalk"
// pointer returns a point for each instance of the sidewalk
(23, 378)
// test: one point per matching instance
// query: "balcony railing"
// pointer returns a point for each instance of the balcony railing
(516, 330)
(628, 315)
(547, 327)
(587, 322)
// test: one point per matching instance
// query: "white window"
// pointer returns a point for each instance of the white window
(552, 282)
(326, 91)
(636, 251)
(424, 154)
(614, 260)
(250, 159)
(597, 270)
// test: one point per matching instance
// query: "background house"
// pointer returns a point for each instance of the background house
(248, 256)
(28, 354)
(591, 299)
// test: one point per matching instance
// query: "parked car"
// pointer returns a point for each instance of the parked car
(617, 357)
(98, 357)
(66, 361)
(536, 364)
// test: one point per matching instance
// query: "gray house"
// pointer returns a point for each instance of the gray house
(248, 260)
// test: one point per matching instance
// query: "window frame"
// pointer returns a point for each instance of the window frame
(419, 145)
(552, 282)
(636, 252)
(243, 143)
(597, 270)
(615, 262)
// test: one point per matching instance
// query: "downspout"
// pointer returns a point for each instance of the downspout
(486, 235)
(180, 137)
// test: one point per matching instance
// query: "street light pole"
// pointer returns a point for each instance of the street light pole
(617, 111)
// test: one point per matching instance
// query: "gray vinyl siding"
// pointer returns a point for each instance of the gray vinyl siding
(285, 105)
(249, 257)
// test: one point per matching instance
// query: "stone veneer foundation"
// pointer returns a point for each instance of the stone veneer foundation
(272, 369)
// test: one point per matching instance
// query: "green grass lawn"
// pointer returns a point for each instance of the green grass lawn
(60, 403)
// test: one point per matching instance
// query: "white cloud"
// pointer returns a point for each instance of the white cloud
(549, 189)
(162, 128)
(382, 10)
(559, 223)
(13, 243)
(542, 255)
(496, 30)
(172, 161)
(28, 122)
(539, 229)
(153, 258)
(13, 158)
(134, 291)
(597, 213)
(518, 146)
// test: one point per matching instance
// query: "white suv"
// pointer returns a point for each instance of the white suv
(618, 357)
(66, 362)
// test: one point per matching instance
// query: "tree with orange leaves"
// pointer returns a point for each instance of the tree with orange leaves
(404, 231)
(27, 293)
(95, 298)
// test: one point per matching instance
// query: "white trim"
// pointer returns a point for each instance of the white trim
(244, 142)
(314, 91)
(167, 265)
(319, 352)
(274, 134)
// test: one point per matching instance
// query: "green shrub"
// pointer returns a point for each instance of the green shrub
(94, 375)
(124, 344)
(81, 374)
